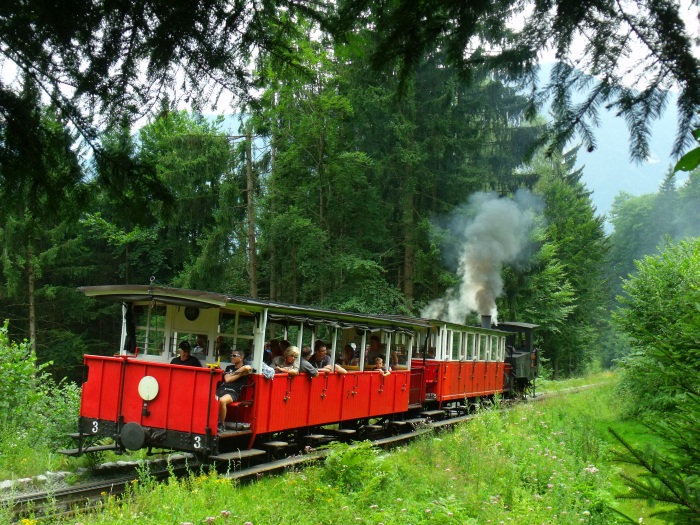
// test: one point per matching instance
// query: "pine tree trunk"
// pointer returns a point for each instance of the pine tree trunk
(32, 307)
(273, 252)
(409, 260)
(251, 215)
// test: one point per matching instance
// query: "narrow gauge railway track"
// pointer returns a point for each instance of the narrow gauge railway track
(65, 502)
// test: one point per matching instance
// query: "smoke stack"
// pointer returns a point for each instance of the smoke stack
(485, 321)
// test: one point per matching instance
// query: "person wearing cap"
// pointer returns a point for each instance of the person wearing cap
(185, 359)
(288, 366)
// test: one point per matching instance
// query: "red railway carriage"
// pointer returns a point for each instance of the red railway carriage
(139, 399)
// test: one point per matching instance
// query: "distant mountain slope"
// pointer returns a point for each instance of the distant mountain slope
(608, 170)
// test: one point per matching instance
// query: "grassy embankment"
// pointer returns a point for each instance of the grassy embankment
(540, 463)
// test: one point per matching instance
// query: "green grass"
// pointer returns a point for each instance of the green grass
(545, 462)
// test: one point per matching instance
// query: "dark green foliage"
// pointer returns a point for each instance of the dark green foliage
(661, 316)
(407, 31)
(30, 392)
(122, 57)
(562, 287)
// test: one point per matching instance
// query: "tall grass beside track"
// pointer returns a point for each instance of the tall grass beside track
(540, 463)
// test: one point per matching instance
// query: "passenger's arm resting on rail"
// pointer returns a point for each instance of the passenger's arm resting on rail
(242, 371)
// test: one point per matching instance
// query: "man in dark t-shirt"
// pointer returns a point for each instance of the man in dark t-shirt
(321, 359)
(185, 358)
(233, 382)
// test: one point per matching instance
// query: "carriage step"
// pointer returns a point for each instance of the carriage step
(415, 421)
(432, 413)
(344, 431)
(75, 452)
(238, 454)
(78, 435)
(275, 444)
(235, 425)
(372, 427)
(316, 437)
(234, 433)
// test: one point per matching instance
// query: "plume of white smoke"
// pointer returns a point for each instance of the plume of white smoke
(491, 232)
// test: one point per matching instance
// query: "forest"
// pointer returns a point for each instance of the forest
(380, 149)
(347, 185)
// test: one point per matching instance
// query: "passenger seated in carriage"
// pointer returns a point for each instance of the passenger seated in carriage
(288, 366)
(305, 365)
(185, 359)
(374, 350)
(349, 357)
(379, 367)
(322, 361)
(229, 390)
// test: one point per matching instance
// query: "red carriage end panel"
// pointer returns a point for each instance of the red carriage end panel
(100, 393)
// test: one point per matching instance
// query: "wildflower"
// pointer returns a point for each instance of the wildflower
(373, 506)
(209, 520)
(399, 499)
(225, 513)
(550, 486)
(403, 510)
(344, 508)
(248, 523)
(591, 469)
(427, 511)
(586, 513)
(450, 514)
(181, 523)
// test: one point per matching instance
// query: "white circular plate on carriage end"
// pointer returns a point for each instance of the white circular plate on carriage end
(148, 388)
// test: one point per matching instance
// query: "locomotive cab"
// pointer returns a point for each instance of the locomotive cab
(522, 357)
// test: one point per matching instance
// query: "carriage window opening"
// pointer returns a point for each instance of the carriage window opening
(502, 352)
(456, 343)
(293, 334)
(399, 350)
(223, 346)
(150, 333)
(238, 328)
(483, 347)
(275, 331)
(307, 336)
(494, 348)
(470, 346)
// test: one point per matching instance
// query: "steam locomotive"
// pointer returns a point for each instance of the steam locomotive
(137, 399)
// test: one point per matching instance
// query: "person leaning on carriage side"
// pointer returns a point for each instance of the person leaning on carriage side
(379, 367)
(185, 359)
(288, 366)
(322, 360)
(305, 365)
(229, 390)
